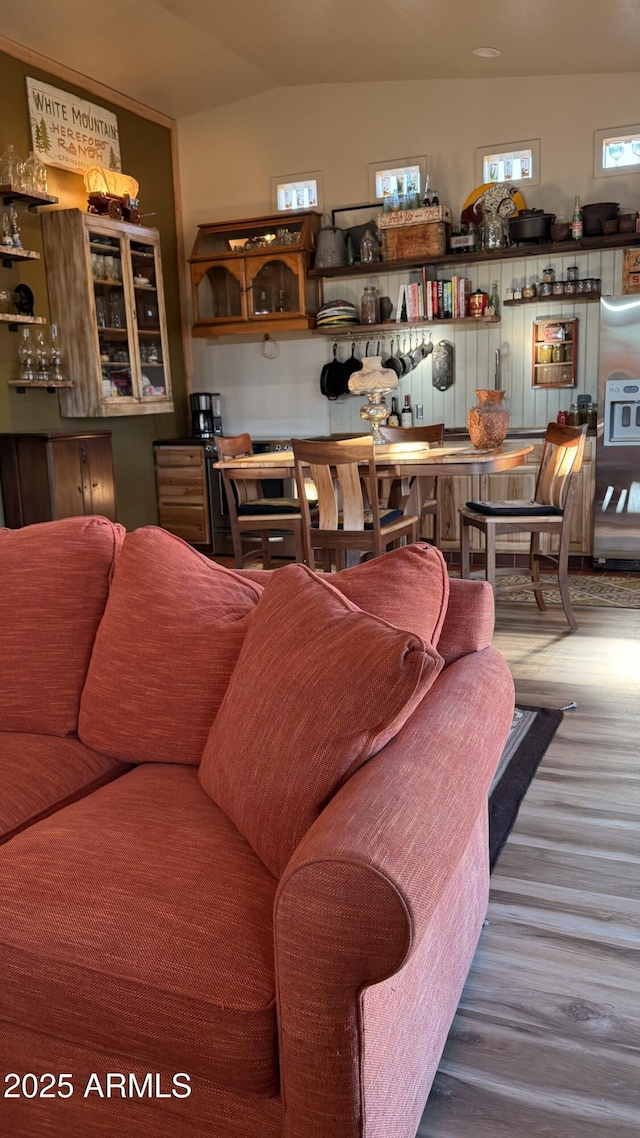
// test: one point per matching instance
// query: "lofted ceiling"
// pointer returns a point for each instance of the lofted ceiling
(186, 56)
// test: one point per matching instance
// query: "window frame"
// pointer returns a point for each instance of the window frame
(501, 149)
(292, 180)
(393, 166)
(609, 133)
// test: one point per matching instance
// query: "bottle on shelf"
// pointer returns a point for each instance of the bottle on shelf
(494, 299)
(407, 414)
(393, 419)
(576, 220)
(435, 200)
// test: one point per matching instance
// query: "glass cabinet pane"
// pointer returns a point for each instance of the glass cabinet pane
(150, 345)
(111, 315)
(219, 295)
(274, 289)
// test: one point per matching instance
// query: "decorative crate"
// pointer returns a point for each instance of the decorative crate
(408, 241)
(413, 216)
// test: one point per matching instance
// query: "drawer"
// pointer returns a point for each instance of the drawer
(187, 522)
(181, 484)
(179, 456)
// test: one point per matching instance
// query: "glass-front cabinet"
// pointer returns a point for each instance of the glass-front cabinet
(252, 276)
(106, 295)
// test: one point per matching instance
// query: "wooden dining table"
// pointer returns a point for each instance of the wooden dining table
(403, 461)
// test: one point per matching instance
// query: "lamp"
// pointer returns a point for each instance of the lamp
(374, 381)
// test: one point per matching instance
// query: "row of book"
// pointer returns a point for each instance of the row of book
(433, 300)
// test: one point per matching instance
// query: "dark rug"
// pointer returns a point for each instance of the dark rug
(531, 732)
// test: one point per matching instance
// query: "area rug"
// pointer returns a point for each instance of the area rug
(531, 732)
(604, 591)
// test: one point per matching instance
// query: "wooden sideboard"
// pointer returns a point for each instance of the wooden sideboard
(45, 476)
(520, 483)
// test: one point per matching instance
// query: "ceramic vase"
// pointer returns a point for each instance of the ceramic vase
(488, 421)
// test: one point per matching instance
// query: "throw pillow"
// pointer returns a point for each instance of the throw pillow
(164, 652)
(54, 582)
(319, 687)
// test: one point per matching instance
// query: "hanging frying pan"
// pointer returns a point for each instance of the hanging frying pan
(333, 378)
(352, 364)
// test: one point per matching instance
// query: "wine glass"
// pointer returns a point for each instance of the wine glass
(616, 150)
(635, 148)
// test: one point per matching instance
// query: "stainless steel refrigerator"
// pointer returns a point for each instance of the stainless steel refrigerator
(617, 506)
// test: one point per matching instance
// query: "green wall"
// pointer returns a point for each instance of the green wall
(146, 155)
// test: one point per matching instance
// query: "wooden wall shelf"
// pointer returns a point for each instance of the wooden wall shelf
(8, 255)
(515, 252)
(49, 384)
(566, 298)
(17, 318)
(393, 327)
(32, 200)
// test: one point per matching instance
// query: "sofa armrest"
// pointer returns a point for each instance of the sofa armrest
(468, 622)
(357, 899)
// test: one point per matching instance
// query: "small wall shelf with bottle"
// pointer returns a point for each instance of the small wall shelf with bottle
(554, 347)
(580, 298)
(40, 361)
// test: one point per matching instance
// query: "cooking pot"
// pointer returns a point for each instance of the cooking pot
(595, 214)
(531, 225)
(334, 378)
(331, 252)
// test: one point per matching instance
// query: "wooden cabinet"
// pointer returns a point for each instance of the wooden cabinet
(183, 496)
(554, 352)
(518, 483)
(252, 276)
(106, 296)
(49, 476)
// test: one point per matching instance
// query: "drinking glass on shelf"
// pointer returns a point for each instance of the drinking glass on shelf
(616, 150)
(116, 311)
(97, 266)
(101, 312)
(108, 268)
(34, 175)
(11, 168)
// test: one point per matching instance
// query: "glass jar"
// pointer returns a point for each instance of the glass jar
(529, 291)
(559, 354)
(579, 287)
(368, 248)
(587, 284)
(369, 307)
(562, 418)
(545, 353)
(544, 288)
(34, 178)
(596, 284)
(549, 275)
(573, 273)
(11, 168)
(574, 415)
(557, 288)
(569, 287)
(592, 419)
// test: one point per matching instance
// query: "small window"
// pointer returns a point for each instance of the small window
(395, 174)
(617, 151)
(297, 191)
(517, 162)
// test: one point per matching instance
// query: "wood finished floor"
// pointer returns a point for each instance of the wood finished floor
(546, 1042)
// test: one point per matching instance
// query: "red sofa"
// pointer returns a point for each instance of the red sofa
(156, 978)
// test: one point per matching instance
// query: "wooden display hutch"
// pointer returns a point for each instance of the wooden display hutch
(106, 296)
(253, 276)
(561, 335)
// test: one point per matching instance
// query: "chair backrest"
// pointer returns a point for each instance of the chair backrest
(433, 434)
(337, 466)
(561, 461)
(242, 490)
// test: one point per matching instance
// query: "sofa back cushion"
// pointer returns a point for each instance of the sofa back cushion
(319, 687)
(164, 652)
(408, 587)
(54, 582)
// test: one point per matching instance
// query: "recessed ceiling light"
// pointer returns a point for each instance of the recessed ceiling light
(487, 52)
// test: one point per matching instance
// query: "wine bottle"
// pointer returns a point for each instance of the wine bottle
(394, 418)
(407, 414)
(576, 220)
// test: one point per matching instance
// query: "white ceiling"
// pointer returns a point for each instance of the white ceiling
(185, 56)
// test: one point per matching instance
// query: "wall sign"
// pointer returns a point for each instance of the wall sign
(70, 132)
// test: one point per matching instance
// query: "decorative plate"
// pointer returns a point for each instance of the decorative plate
(503, 198)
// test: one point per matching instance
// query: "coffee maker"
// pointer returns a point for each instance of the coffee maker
(206, 419)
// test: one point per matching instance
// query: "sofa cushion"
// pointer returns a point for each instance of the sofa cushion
(408, 587)
(318, 689)
(164, 652)
(54, 580)
(42, 773)
(147, 933)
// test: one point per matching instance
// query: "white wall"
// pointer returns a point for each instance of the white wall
(228, 156)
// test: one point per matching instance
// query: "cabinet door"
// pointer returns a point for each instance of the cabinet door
(219, 292)
(275, 286)
(113, 314)
(97, 466)
(151, 349)
(70, 479)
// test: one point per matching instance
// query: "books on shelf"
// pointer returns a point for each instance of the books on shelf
(446, 299)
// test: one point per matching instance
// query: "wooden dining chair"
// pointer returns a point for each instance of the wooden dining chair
(422, 491)
(345, 521)
(250, 512)
(550, 512)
